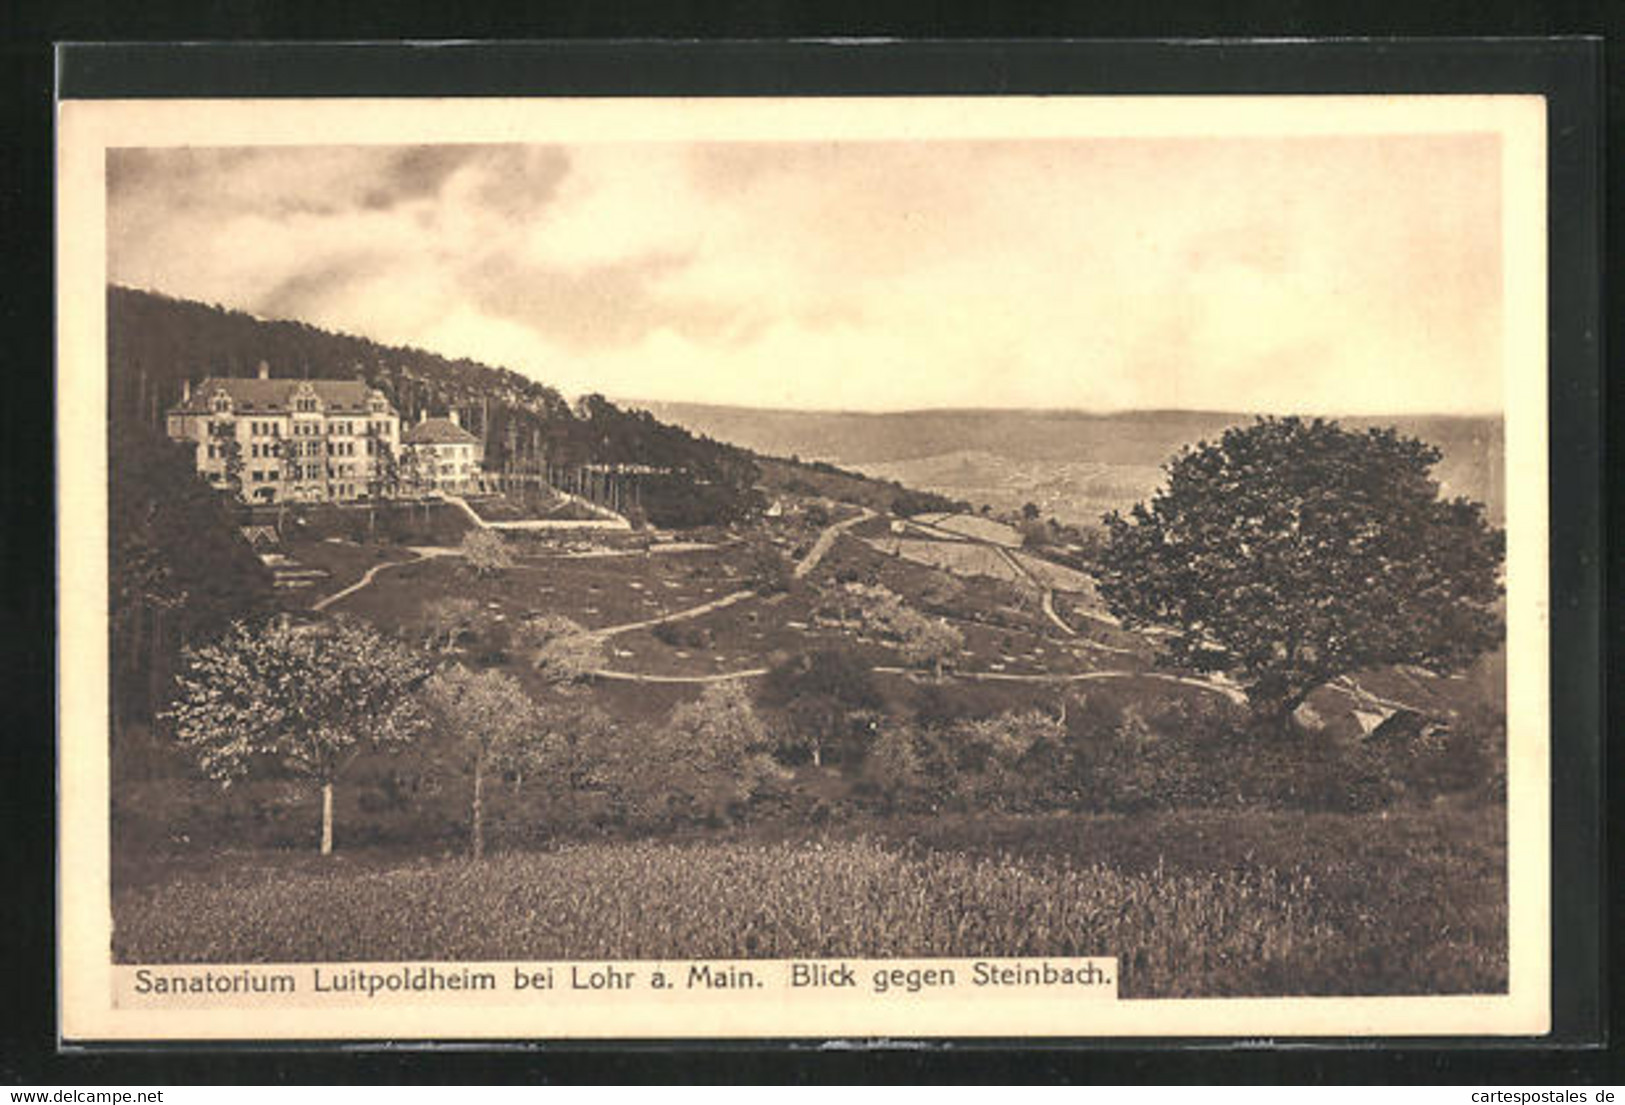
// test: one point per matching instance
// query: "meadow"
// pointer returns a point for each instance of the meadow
(1145, 828)
(1190, 904)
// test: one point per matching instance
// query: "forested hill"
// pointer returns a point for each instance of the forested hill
(155, 343)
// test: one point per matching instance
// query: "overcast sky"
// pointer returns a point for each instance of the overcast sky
(1335, 275)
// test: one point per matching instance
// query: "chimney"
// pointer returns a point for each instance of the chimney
(452, 414)
(265, 371)
(186, 390)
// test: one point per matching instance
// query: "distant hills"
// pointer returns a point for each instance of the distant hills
(1072, 464)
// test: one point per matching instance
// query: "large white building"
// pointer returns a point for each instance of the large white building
(296, 440)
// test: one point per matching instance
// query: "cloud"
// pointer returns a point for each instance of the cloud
(594, 306)
(309, 290)
(416, 172)
(1331, 274)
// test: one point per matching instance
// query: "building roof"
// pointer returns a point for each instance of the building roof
(438, 431)
(255, 396)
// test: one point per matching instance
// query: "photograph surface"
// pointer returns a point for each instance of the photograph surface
(659, 568)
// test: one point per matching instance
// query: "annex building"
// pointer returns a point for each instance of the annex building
(441, 455)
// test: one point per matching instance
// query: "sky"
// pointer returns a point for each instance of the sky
(1320, 274)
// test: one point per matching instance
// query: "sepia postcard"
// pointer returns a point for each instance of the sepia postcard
(892, 567)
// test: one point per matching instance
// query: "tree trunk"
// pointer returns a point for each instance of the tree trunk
(327, 818)
(479, 809)
(155, 664)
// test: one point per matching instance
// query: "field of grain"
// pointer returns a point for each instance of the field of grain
(1290, 908)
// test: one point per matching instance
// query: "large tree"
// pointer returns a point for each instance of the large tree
(1290, 552)
(306, 697)
(179, 569)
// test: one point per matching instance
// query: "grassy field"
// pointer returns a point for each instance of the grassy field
(594, 591)
(1192, 904)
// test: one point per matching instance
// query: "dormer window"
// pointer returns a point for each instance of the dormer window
(221, 402)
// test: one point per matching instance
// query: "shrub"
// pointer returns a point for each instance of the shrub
(444, 623)
(682, 634)
(561, 651)
(770, 573)
(705, 764)
(825, 696)
(892, 770)
(486, 552)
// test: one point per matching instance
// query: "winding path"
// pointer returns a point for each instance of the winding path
(826, 541)
(718, 677)
(674, 616)
(419, 555)
(1045, 591)
(607, 519)
(1232, 693)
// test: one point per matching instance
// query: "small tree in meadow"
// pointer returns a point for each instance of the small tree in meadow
(492, 719)
(448, 620)
(486, 552)
(711, 756)
(561, 651)
(307, 698)
(926, 642)
(922, 641)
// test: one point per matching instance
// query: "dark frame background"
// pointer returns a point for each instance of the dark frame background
(1567, 71)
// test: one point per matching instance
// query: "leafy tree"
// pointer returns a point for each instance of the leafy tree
(926, 642)
(575, 753)
(824, 694)
(288, 465)
(179, 569)
(410, 471)
(448, 620)
(493, 720)
(770, 572)
(234, 466)
(893, 766)
(486, 552)
(383, 478)
(386, 470)
(710, 757)
(1029, 511)
(308, 698)
(921, 640)
(1291, 552)
(1017, 760)
(561, 651)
